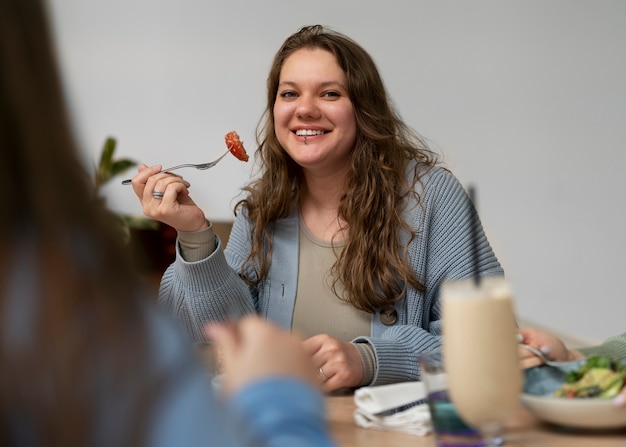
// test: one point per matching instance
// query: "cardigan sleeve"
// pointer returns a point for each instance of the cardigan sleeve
(207, 290)
(614, 347)
(441, 251)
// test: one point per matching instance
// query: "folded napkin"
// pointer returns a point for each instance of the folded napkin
(397, 407)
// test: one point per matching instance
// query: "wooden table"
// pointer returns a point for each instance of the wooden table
(523, 430)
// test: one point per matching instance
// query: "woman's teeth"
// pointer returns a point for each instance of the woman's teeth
(309, 133)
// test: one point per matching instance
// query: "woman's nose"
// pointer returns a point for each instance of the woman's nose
(307, 108)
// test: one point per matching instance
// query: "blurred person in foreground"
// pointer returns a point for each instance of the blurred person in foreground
(553, 347)
(86, 358)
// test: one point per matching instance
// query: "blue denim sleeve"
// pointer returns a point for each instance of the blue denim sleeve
(283, 412)
(274, 412)
(192, 416)
(544, 380)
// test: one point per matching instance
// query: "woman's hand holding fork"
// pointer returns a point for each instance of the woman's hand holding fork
(165, 197)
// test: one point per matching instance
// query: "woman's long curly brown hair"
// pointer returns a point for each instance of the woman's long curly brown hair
(373, 264)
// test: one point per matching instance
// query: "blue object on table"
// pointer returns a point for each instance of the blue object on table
(542, 380)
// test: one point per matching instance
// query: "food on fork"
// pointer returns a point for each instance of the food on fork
(235, 145)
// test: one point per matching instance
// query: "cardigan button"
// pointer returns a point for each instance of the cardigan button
(388, 316)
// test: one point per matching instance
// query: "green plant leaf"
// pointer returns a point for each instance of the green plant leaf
(106, 156)
(108, 167)
(140, 222)
(119, 166)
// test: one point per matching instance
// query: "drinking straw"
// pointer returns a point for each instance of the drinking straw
(474, 233)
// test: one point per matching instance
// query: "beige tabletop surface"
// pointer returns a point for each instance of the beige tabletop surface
(523, 430)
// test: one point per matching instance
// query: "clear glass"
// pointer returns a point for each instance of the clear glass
(449, 429)
(480, 353)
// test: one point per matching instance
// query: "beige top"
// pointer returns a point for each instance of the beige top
(317, 309)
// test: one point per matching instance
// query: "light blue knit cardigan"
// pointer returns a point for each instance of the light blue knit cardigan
(208, 290)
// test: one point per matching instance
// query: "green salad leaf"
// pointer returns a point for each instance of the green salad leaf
(599, 376)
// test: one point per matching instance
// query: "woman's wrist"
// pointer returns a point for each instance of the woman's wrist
(197, 245)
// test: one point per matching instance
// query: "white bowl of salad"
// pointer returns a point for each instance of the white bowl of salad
(578, 395)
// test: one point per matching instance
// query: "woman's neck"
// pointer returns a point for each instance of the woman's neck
(319, 206)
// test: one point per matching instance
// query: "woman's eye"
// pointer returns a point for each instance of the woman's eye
(287, 94)
(331, 94)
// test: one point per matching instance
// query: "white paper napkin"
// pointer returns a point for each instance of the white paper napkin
(397, 407)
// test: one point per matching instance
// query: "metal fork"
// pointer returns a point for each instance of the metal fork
(543, 357)
(201, 166)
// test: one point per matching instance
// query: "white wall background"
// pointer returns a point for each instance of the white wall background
(525, 99)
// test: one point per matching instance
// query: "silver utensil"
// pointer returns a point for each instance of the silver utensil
(543, 357)
(201, 166)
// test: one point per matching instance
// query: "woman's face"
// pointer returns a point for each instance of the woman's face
(313, 114)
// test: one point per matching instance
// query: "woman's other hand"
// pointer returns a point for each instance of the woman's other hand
(175, 208)
(338, 363)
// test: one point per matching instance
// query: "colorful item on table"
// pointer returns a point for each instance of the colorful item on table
(599, 376)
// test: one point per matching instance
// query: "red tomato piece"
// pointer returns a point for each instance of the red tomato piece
(235, 146)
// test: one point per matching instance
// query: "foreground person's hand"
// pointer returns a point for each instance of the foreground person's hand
(253, 349)
(337, 362)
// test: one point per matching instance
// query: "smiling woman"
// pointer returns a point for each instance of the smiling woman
(491, 97)
(345, 235)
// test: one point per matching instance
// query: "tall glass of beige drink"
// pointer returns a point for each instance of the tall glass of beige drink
(480, 352)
